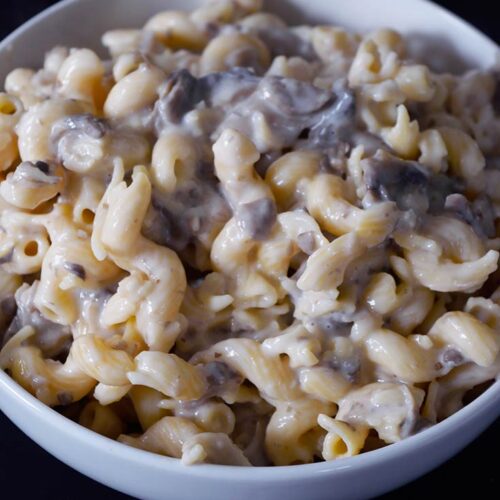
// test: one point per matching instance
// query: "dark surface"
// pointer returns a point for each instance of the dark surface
(26, 471)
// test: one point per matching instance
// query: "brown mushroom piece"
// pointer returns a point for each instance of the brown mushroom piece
(87, 144)
(86, 124)
(411, 185)
(179, 95)
(163, 227)
(479, 214)
(228, 87)
(8, 308)
(38, 173)
(53, 339)
(221, 378)
(406, 183)
(183, 92)
(336, 122)
(281, 41)
(292, 97)
(257, 217)
(290, 106)
(193, 213)
(349, 367)
(290, 110)
(32, 183)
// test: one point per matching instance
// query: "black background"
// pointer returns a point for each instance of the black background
(26, 471)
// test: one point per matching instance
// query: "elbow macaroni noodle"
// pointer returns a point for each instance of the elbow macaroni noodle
(243, 243)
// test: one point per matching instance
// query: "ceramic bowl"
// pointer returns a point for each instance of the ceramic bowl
(454, 45)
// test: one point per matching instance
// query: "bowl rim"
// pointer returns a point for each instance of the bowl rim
(489, 400)
(63, 4)
(457, 20)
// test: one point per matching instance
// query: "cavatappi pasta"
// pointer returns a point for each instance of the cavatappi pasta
(239, 242)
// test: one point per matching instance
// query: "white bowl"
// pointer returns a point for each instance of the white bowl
(455, 45)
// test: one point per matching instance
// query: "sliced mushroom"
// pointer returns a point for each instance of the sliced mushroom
(163, 227)
(408, 183)
(479, 214)
(349, 367)
(335, 122)
(31, 184)
(282, 41)
(292, 97)
(86, 124)
(87, 144)
(78, 141)
(52, 338)
(257, 217)
(8, 308)
(183, 92)
(283, 110)
(195, 212)
(179, 95)
(229, 87)
(221, 378)
(272, 111)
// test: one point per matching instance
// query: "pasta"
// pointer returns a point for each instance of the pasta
(243, 243)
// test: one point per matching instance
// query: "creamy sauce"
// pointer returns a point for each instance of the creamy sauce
(305, 228)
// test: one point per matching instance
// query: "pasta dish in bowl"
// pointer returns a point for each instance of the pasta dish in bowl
(238, 242)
